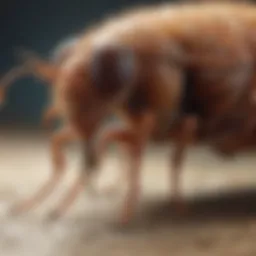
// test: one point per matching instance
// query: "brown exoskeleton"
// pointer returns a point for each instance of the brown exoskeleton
(187, 67)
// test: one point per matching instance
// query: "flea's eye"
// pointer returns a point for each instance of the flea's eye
(112, 70)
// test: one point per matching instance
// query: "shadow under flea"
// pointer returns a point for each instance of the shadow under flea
(236, 205)
(158, 214)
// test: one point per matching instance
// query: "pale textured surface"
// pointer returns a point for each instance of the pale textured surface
(89, 228)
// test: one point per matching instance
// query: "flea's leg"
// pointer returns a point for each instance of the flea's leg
(70, 198)
(59, 140)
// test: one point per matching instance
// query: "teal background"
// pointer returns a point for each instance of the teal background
(39, 26)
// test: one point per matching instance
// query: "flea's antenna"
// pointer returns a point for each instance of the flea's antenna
(9, 78)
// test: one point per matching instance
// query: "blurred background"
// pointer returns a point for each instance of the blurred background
(220, 224)
(40, 26)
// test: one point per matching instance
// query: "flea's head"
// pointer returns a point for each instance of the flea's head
(92, 85)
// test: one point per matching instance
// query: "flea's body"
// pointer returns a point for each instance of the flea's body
(213, 44)
(190, 64)
(187, 65)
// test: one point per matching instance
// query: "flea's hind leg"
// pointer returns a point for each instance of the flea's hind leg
(58, 142)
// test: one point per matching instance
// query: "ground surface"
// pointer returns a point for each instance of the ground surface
(219, 225)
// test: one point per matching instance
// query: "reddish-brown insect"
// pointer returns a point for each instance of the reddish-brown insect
(184, 66)
(140, 64)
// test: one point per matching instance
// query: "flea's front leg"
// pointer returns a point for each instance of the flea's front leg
(79, 184)
(58, 142)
